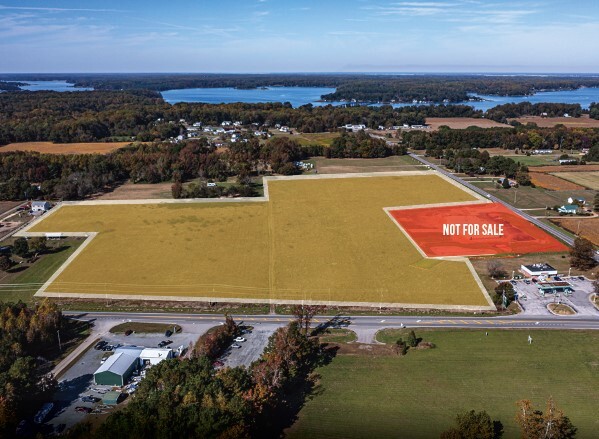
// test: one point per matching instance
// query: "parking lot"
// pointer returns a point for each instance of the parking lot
(251, 349)
(533, 303)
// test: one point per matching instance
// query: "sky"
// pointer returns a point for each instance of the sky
(264, 36)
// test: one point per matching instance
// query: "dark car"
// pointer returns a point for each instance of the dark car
(100, 345)
(82, 409)
(90, 399)
(580, 277)
(557, 278)
(168, 333)
(128, 332)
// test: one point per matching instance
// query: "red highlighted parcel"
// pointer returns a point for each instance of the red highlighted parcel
(472, 230)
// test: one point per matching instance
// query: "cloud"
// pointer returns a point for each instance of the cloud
(34, 8)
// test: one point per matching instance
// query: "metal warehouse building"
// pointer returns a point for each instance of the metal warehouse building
(116, 370)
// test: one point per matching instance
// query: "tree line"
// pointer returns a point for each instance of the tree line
(521, 138)
(501, 113)
(30, 175)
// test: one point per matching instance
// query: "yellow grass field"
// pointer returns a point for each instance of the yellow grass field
(64, 148)
(316, 239)
(587, 179)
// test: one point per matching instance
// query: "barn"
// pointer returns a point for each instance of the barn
(116, 370)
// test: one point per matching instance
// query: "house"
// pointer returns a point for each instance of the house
(40, 206)
(116, 370)
(540, 269)
(568, 209)
(155, 355)
(542, 151)
(568, 161)
(577, 201)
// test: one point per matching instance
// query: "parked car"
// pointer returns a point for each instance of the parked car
(168, 333)
(580, 277)
(236, 346)
(557, 278)
(128, 332)
(239, 339)
(89, 398)
(82, 409)
(100, 345)
(527, 282)
(218, 364)
(513, 282)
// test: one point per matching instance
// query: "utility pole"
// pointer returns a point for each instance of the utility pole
(59, 343)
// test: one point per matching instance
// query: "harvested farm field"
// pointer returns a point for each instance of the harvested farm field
(589, 180)
(463, 122)
(567, 168)
(586, 227)
(317, 239)
(65, 148)
(583, 121)
(548, 181)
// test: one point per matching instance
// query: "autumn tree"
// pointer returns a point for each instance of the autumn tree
(582, 254)
(304, 315)
(5, 263)
(534, 424)
(20, 247)
(495, 268)
(38, 244)
(474, 425)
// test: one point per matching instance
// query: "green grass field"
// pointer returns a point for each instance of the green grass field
(23, 285)
(417, 396)
(535, 160)
(318, 239)
(587, 179)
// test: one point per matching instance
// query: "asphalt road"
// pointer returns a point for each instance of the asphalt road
(362, 322)
(558, 234)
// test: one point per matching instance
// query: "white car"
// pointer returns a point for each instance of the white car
(236, 346)
(240, 339)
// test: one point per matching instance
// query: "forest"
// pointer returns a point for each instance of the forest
(144, 116)
(25, 336)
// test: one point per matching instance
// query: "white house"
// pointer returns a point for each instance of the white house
(40, 206)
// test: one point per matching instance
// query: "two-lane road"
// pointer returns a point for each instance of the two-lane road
(358, 322)
(557, 233)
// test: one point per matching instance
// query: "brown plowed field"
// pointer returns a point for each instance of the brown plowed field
(552, 182)
(589, 227)
(65, 148)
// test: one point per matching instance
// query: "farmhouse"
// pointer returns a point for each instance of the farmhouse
(538, 270)
(40, 206)
(116, 370)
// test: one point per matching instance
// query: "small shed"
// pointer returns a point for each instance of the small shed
(112, 398)
(116, 370)
(155, 355)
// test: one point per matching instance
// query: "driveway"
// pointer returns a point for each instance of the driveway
(251, 349)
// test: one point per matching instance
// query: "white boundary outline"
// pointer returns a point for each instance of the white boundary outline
(41, 292)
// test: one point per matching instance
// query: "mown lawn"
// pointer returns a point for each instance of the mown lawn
(418, 396)
(22, 285)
